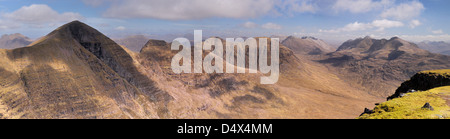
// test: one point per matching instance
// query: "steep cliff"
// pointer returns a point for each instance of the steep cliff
(426, 95)
(424, 80)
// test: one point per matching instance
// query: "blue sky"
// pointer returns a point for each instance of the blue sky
(334, 20)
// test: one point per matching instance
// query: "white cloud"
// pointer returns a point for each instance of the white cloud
(359, 6)
(200, 9)
(268, 25)
(388, 8)
(418, 38)
(414, 23)
(271, 26)
(438, 31)
(189, 9)
(299, 6)
(380, 25)
(39, 14)
(404, 11)
(5, 25)
(250, 25)
(120, 28)
(356, 26)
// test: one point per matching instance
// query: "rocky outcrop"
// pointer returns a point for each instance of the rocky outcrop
(427, 106)
(423, 81)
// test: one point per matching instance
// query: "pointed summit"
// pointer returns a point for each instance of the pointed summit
(367, 38)
(110, 53)
(307, 45)
(81, 32)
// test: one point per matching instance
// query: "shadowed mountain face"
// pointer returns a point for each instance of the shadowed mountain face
(380, 66)
(14, 41)
(77, 72)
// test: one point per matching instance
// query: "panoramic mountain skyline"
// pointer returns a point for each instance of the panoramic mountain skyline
(340, 20)
(102, 59)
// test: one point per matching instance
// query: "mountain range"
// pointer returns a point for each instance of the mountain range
(379, 66)
(436, 46)
(77, 72)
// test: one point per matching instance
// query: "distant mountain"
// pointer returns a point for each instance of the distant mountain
(307, 45)
(134, 43)
(12, 41)
(281, 37)
(436, 46)
(381, 65)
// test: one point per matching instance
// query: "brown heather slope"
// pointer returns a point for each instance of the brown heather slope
(305, 89)
(77, 72)
(57, 77)
(379, 66)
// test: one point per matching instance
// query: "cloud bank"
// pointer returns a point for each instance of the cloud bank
(36, 15)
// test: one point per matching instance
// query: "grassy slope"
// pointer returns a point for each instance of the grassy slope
(410, 106)
(441, 71)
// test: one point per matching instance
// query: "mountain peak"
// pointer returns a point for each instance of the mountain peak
(303, 37)
(381, 48)
(309, 37)
(395, 38)
(87, 36)
(367, 37)
(75, 22)
(12, 41)
(308, 45)
(76, 27)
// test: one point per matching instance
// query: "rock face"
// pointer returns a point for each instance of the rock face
(427, 106)
(366, 111)
(14, 41)
(423, 81)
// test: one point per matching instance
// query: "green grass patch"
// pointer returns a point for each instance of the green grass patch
(410, 106)
(445, 72)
